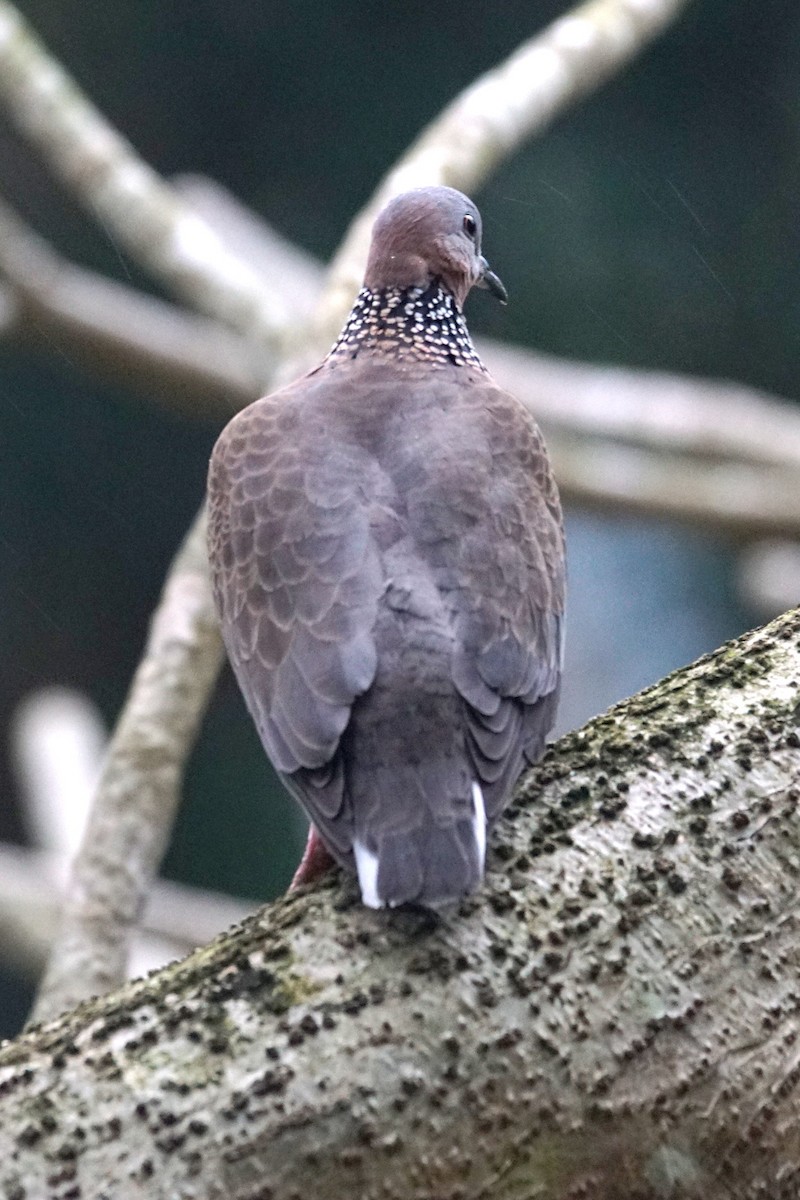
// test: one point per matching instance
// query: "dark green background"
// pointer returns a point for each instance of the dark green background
(655, 225)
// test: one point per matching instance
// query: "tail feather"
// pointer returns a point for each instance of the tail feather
(367, 866)
(432, 865)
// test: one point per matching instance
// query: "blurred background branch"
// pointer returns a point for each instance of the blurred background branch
(176, 919)
(134, 804)
(102, 170)
(58, 741)
(709, 453)
(499, 113)
(175, 356)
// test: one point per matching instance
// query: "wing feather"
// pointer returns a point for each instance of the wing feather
(500, 561)
(297, 579)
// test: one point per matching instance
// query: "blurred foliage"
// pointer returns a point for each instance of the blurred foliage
(655, 226)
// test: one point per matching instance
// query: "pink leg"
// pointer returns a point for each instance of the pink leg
(315, 862)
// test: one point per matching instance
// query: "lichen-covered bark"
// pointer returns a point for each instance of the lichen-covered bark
(614, 1016)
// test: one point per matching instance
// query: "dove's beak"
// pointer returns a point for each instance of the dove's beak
(487, 279)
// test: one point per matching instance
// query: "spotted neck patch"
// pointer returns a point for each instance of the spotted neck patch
(407, 323)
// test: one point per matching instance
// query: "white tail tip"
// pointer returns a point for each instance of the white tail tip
(367, 867)
(479, 821)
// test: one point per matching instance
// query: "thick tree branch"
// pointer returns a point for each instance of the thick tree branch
(614, 1015)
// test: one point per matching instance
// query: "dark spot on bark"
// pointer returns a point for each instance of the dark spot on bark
(272, 1082)
(485, 993)
(511, 1037)
(610, 809)
(731, 879)
(501, 902)
(168, 1145)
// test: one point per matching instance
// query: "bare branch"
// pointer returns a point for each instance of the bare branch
(57, 741)
(191, 915)
(734, 455)
(615, 1014)
(9, 311)
(187, 362)
(132, 202)
(735, 498)
(134, 807)
(769, 575)
(27, 908)
(708, 453)
(494, 117)
(290, 270)
(126, 333)
(30, 908)
(704, 418)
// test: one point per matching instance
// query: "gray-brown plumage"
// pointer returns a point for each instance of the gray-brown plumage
(388, 562)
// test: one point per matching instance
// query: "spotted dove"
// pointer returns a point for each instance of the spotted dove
(387, 555)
